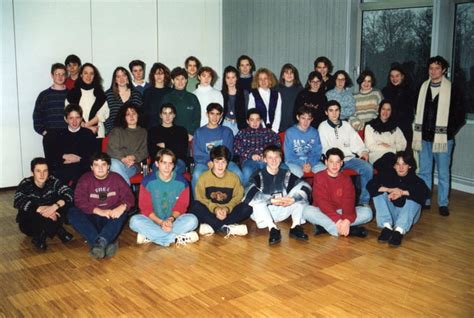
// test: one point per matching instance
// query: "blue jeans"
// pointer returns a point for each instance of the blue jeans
(124, 171)
(200, 168)
(297, 170)
(249, 167)
(403, 217)
(443, 163)
(315, 216)
(366, 172)
(144, 225)
(93, 226)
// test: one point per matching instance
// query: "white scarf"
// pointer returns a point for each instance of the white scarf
(440, 142)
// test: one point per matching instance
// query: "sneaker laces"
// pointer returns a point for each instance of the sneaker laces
(182, 240)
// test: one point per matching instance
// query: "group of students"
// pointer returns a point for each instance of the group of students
(239, 170)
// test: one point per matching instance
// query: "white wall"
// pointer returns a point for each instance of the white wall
(108, 33)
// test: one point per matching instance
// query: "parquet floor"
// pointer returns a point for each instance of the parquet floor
(430, 275)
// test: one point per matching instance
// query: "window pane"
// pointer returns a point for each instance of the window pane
(464, 52)
(397, 35)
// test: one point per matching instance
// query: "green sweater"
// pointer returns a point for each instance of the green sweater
(128, 141)
(188, 110)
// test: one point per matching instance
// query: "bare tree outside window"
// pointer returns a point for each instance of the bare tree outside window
(397, 36)
(463, 50)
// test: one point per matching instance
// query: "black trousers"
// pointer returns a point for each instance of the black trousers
(241, 212)
(33, 223)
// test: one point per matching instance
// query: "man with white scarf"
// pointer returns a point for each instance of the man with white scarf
(440, 115)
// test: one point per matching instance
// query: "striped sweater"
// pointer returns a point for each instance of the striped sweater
(367, 107)
(49, 110)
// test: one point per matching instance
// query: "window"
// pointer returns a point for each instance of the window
(396, 35)
(463, 52)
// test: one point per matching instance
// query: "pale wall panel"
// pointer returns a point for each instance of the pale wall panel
(188, 27)
(46, 32)
(10, 154)
(123, 31)
(276, 32)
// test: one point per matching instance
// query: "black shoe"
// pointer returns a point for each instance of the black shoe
(426, 207)
(298, 233)
(64, 235)
(318, 229)
(358, 231)
(111, 249)
(385, 235)
(444, 210)
(275, 236)
(396, 239)
(40, 241)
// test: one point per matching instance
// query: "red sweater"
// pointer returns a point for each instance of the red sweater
(334, 193)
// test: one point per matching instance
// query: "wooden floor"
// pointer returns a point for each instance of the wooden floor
(432, 274)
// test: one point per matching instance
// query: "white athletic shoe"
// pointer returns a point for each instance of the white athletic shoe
(187, 238)
(235, 230)
(141, 239)
(205, 229)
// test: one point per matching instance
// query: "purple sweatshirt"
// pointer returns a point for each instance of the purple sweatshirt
(104, 194)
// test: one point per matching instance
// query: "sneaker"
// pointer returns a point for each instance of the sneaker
(274, 237)
(444, 210)
(64, 235)
(187, 238)
(396, 239)
(142, 239)
(234, 230)
(111, 249)
(205, 229)
(318, 229)
(298, 233)
(358, 231)
(385, 235)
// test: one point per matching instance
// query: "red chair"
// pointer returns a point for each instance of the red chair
(136, 179)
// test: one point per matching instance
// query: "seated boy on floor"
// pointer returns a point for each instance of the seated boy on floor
(102, 199)
(218, 198)
(164, 200)
(42, 202)
(276, 194)
(334, 209)
(398, 196)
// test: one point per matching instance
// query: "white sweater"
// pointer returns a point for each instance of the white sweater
(343, 137)
(86, 102)
(207, 95)
(375, 142)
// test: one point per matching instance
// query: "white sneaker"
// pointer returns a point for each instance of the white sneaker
(205, 229)
(235, 230)
(187, 238)
(141, 239)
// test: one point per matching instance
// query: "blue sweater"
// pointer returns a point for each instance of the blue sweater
(49, 110)
(302, 146)
(205, 139)
(346, 100)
